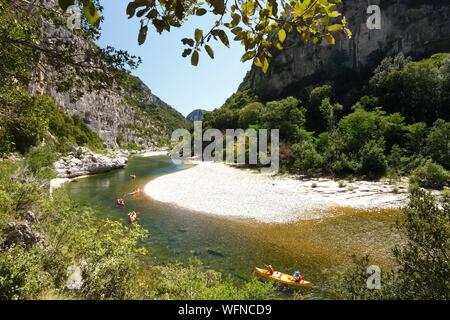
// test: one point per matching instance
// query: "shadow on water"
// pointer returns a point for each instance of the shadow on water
(236, 246)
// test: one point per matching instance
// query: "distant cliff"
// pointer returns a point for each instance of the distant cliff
(127, 113)
(196, 115)
(413, 27)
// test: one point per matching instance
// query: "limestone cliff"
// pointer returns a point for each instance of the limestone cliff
(127, 113)
(413, 27)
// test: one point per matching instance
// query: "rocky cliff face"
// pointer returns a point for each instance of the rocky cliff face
(413, 27)
(196, 115)
(128, 113)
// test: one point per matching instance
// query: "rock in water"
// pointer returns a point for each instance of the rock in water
(83, 161)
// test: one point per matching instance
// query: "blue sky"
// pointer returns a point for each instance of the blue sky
(169, 76)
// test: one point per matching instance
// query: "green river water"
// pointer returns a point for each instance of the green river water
(235, 246)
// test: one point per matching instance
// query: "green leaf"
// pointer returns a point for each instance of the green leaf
(218, 5)
(223, 37)
(334, 27)
(281, 35)
(91, 14)
(198, 35)
(186, 52)
(194, 58)
(265, 66)
(210, 51)
(142, 35)
(334, 14)
(258, 62)
(248, 55)
(188, 41)
(200, 12)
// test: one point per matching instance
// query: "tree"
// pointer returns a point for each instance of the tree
(430, 175)
(439, 142)
(31, 47)
(329, 111)
(259, 25)
(373, 161)
(424, 259)
(416, 89)
(285, 115)
(250, 114)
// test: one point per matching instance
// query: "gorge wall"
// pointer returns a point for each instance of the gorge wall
(120, 115)
(414, 27)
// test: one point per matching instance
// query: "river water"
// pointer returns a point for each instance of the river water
(235, 246)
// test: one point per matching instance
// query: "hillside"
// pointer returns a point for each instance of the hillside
(123, 113)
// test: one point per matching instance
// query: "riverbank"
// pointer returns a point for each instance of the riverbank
(218, 189)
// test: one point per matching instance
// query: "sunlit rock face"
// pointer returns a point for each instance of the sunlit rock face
(107, 112)
(414, 27)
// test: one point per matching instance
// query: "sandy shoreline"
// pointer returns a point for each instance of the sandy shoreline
(218, 189)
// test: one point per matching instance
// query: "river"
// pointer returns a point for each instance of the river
(235, 246)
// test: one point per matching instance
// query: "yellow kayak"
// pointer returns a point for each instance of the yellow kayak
(282, 278)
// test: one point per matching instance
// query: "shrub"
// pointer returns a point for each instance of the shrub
(439, 143)
(430, 175)
(306, 158)
(373, 160)
(20, 274)
(250, 114)
(40, 161)
(285, 115)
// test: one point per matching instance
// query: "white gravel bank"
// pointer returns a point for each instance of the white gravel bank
(216, 188)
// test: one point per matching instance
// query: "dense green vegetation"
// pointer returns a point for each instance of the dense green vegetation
(399, 125)
(423, 265)
(26, 120)
(110, 254)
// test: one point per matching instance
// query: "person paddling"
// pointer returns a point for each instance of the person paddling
(120, 202)
(270, 270)
(132, 216)
(297, 277)
(135, 192)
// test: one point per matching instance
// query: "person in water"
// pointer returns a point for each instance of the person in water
(135, 192)
(297, 277)
(133, 176)
(120, 202)
(132, 216)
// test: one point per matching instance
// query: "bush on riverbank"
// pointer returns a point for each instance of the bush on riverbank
(430, 175)
(422, 263)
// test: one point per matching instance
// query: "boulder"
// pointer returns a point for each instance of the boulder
(83, 161)
(20, 233)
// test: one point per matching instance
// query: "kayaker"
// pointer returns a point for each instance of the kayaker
(120, 202)
(133, 176)
(135, 192)
(297, 277)
(132, 216)
(270, 270)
